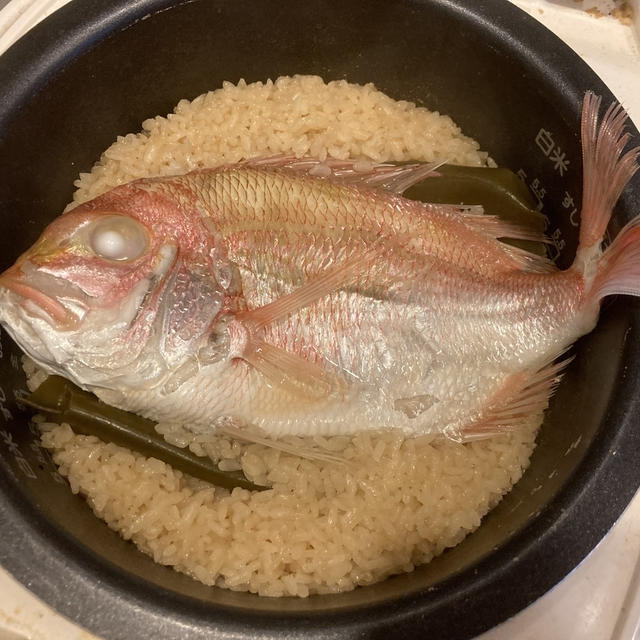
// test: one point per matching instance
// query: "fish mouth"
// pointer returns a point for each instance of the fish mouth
(37, 302)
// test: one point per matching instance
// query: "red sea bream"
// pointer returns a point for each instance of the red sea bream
(283, 296)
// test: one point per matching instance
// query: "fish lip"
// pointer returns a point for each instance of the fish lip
(54, 309)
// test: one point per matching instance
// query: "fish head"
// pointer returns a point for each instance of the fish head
(113, 297)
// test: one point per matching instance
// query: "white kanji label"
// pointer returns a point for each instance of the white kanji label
(548, 146)
(559, 159)
(545, 142)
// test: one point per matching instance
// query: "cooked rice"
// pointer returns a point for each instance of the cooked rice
(323, 527)
(300, 115)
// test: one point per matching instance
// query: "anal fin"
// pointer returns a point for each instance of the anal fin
(521, 396)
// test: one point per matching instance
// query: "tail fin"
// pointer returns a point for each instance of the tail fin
(606, 169)
(619, 267)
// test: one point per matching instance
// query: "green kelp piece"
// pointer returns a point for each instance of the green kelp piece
(499, 191)
(62, 401)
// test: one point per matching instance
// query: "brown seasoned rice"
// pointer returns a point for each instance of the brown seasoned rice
(323, 527)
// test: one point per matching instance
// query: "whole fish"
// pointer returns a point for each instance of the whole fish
(283, 296)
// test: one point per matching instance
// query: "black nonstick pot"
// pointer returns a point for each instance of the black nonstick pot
(97, 69)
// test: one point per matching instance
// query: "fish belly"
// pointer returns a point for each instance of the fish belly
(432, 367)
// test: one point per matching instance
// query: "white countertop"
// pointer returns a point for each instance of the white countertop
(600, 599)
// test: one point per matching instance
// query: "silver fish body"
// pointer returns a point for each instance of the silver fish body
(266, 295)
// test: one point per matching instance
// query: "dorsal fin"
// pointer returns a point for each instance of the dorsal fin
(494, 227)
(531, 262)
(390, 177)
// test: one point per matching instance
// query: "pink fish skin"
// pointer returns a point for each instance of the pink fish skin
(308, 298)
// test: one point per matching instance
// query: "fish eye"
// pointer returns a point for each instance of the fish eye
(118, 238)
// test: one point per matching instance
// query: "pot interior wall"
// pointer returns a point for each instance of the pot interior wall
(432, 53)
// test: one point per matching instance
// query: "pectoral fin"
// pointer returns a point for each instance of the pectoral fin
(291, 371)
(283, 368)
(321, 285)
